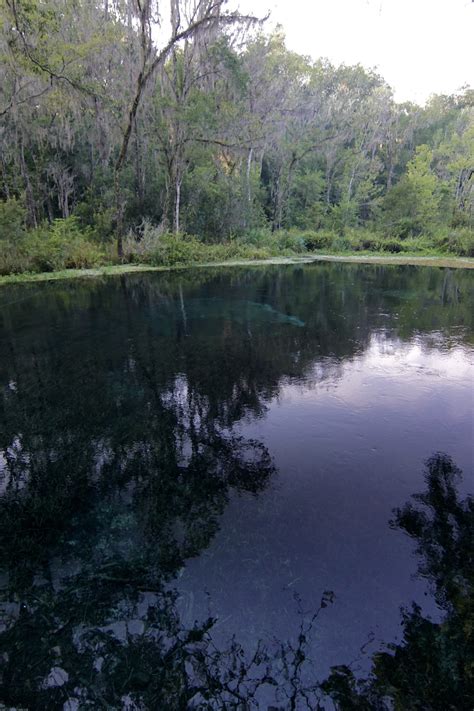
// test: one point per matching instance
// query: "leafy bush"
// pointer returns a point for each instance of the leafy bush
(178, 249)
(12, 220)
(153, 246)
(394, 246)
(319, 240)
(60, 246)
(63, 246)
(12, 259)
(417, 244)
(359, 240)
(290, 241)
(258, 237)
(459, 241)
(341, 244)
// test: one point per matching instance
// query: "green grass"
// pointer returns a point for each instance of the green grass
(432, 260)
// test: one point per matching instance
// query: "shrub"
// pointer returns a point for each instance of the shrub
(322, 239)
(361, 240)
(341, 244)
(153, 246)
(61, 246)
(274, 243)
(458, 241)
(417, 244)
(394, 246)
(290, 241)
(259, 237)
(12, 219)
(137, 246)
(12, 259)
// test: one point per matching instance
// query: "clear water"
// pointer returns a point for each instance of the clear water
(223, 443)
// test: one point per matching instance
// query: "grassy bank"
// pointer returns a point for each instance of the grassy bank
(117, 269)
(429, 260)
(65, 249)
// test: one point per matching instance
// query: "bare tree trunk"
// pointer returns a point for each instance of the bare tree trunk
(138, 167)
(390, 174)
(118, 212)
(351, 182)
(249, 185)
(177, 205)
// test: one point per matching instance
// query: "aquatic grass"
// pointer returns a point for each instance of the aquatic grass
(428, 260)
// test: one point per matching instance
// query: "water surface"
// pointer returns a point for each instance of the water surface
(225, 445)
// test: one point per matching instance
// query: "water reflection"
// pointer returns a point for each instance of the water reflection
(76, 644)
(432, 667)
(133, 423)
(91, 531)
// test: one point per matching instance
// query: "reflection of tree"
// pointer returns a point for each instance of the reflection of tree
(119, 456)
(104, 627)
(433, 667)
(114, 473)
(88, 555)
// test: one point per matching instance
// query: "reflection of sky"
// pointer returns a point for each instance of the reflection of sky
(349, 449)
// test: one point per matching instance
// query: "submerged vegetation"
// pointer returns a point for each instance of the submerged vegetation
(222, 144)
(120, 455)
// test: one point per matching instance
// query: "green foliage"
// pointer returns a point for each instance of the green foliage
(412, 207)
(324, 239)
(280, 242)
(157, 248)
(344, 215)
(65, 245)
(62, 245)
(343, 167)
(458, 241)
(97, 218)
(12, 220)
(306, 208)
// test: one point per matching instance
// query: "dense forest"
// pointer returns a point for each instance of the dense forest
(130, 131)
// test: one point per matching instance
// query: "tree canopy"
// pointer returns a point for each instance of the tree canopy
(191, 117)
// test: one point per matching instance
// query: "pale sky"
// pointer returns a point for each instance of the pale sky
(419, 46)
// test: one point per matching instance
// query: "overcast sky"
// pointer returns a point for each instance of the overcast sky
(419, 46)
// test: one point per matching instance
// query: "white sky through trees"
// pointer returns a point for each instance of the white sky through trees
(420, 47)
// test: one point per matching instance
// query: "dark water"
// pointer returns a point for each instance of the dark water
(187, 457)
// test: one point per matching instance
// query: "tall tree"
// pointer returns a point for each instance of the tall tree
(187, 21)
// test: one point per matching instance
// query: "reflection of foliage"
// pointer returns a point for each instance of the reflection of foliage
(434, 666)
(116, 427)
(153, 661)
(101, 613)
(106, 634)
(444, 529)
(114, 474)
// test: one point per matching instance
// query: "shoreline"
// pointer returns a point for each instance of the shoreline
(117, 269)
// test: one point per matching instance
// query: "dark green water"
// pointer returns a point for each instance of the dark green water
(191, 456)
